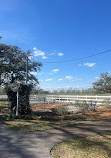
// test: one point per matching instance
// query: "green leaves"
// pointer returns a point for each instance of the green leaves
(13, 65)
(103, 85)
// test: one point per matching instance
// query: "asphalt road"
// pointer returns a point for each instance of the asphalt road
(15, 144)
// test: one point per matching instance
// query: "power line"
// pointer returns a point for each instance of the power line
(64, 61)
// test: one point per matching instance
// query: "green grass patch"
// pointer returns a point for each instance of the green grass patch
(39, 122)
(97, 146)
(39, 125)
(24, 123)
(29, 125)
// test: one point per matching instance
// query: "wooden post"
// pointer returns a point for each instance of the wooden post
(17, 105)
(86, 98)
(67, 99)
(96, 98)
(27, 68)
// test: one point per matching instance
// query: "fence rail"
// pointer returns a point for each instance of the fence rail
(39, 99)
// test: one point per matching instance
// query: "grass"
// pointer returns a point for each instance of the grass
(29, 125)
(40, 125)
(97, 146)
(46, 121)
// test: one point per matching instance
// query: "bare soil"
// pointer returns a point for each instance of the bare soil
(100, 113)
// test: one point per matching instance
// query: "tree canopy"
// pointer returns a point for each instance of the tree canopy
(103, 85)
(15, 70)
(13, 65)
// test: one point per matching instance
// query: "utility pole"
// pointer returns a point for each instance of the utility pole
(26, 68)
(17, 106)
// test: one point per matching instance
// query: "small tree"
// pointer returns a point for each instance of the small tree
(103, 85)
(13, 70)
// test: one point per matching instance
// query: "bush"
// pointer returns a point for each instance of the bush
(107, 103)
(60, 110)
(85, 106)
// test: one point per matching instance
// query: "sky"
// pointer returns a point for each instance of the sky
(60, 30)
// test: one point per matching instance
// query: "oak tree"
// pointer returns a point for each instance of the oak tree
(15, 71)
(103, 85)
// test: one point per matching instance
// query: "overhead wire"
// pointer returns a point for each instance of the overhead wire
(78, 58)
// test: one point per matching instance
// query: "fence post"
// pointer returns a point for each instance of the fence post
(47, 99)
(96, 98)
(77, 97)
(59, 99)
(86, 98)
(67, 98)
(36, 99)
(52, 98)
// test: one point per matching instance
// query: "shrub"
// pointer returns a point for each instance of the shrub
(107, 103)
(85, 106)
(60, 110)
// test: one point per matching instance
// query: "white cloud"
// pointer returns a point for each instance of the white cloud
(39, 53)
(60, 79)
(44, 57)
(50, 79)
(30, 57)
(97, 77)
(34, 48)
(60, 54)
(90, 64)
(55, 70)
(69, 77)
(33, 73)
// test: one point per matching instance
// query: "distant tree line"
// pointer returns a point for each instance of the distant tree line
(101, 86)
(38, 91)
(74, 91)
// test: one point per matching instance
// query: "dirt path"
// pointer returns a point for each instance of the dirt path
(15, 144)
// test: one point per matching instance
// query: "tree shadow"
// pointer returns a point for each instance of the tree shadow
(29, 144)
(71, 135)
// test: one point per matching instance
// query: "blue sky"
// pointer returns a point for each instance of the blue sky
(58, 30)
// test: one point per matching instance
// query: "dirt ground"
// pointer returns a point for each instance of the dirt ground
(98, 114)
(44, 106)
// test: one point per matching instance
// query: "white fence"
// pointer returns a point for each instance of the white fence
(70, 98)
(3, 97)
(38, 99)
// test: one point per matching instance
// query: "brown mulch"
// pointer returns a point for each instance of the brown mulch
(100, 113)
(44, 106)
